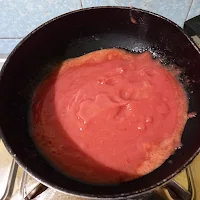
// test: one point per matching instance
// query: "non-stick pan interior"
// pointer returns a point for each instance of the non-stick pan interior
(75, 34)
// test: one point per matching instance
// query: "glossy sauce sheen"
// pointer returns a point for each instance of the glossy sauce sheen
(109, 116)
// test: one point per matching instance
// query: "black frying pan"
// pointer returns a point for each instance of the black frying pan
(75, 34)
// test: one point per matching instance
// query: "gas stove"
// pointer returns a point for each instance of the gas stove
(17, 184)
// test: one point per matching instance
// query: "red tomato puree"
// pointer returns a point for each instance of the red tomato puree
(109, 116)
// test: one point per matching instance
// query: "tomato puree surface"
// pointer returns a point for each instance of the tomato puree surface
(109, 116)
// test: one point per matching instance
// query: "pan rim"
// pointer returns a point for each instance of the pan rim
(75, 193)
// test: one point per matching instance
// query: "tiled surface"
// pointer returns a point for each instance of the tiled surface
(195, 9)
(19, 17)
(176, 10)
(7, 45)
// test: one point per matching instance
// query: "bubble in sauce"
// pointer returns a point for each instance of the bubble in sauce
(101, 81)
(149, 119)
(120, 69)
(163, 108)
(126, 94)
(141, 127)
(111, 81)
